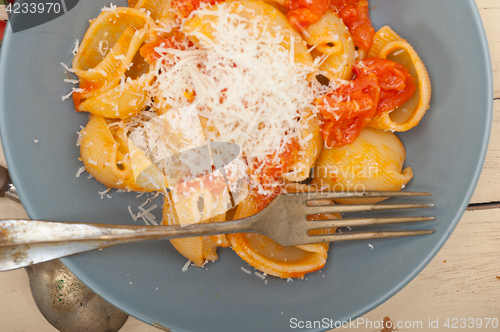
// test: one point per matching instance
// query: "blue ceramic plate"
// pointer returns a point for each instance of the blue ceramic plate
(446, 151)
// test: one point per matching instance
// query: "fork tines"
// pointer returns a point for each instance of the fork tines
(317, 224)
(341, 208)
(320, 203)
(366, 235)
(329, 195)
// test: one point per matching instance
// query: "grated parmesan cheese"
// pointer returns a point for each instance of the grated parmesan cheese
(75, 49)
(67, 68)
(80, 171)
(67, 80)
(67, 96)
(246, 85)
(132, 213)
(109, 9)
(104, 192)
(186, 266)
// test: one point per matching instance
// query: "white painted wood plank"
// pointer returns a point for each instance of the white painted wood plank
(488, 188)
(460, 282)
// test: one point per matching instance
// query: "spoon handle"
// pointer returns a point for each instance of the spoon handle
(4, 180)
(7, 189)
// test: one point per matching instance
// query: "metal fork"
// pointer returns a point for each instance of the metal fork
(284, 220)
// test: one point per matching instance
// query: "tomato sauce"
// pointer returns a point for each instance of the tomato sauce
(379, 86)
(177, 41)
(348, 109)
(303, 13)
(355, 15)
(185, 7)
(87, 87)
(396, 84)
(270, 174)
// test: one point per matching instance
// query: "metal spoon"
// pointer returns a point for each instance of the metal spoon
(63, 300)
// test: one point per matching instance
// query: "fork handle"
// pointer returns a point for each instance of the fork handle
(27, 232)
(27, 242)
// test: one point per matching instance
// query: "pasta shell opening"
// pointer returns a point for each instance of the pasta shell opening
(197, 249)
(105, 155)
(411, 112)
(108, 48)
(273, 259)
(381, 38)
(332, 45)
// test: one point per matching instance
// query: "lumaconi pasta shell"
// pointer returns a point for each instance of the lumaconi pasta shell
(167, 15)
(411, 112)
(155, 7)
(309, 151)
(328, 30)
(101, 155)
(285, 262)
(197, 249)
(276, 3)
(146, 175)
(220, 239)
(121, 31)
(187, 207)
(119, 102)
(374, 161)
(264, 254)
(361, 54)
(381, 38)
(200, 27)
(340, 56)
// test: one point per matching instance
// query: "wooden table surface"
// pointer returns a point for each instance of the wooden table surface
(460, 282)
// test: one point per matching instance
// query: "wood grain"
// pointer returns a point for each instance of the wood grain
(461, 281)
(488, 189)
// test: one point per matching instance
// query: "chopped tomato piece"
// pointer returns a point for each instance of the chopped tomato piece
(348, 109)
(356, 16)
(185, 7)
(274, 168)
(269, 175)
(263, 200)
(178, 41)
(379, 86)
(396, 84)
(303, 13)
